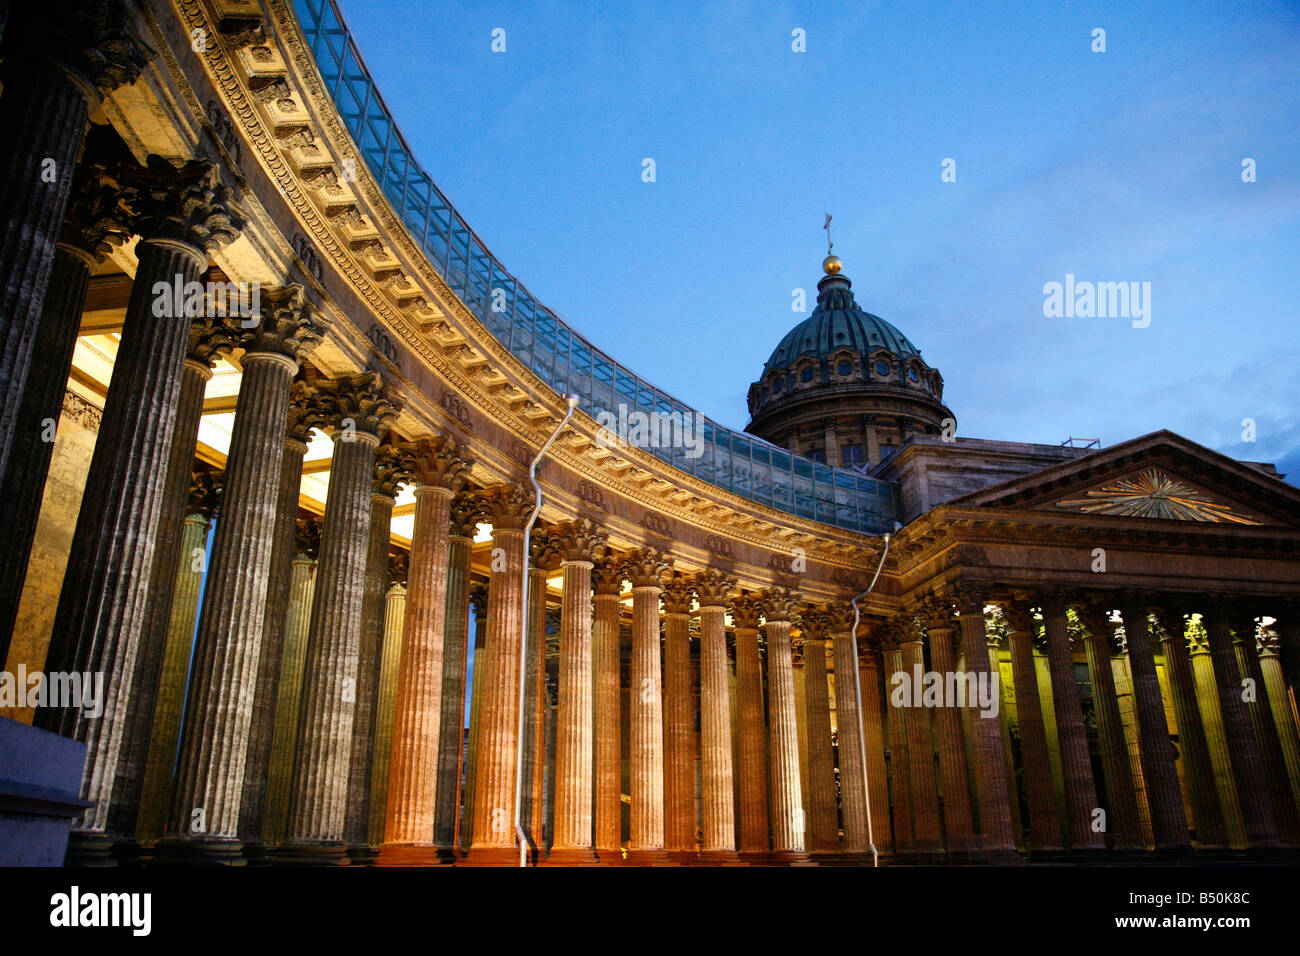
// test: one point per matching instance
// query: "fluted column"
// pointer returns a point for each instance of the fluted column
(494, 798)
(202, 506)
(921, 779)
(777, 605)
(1261, 719)
(1124, 822)
(59, 59)
(390, 471)
(102, 606)
(717, 801)
(580, 544)
(1211, 813)
(1159, 771)
(679, 729)
(1279, 706)
(823, 834)
(645, 568)
(994, 804)
(848, 723)
(359, 409)
(477, 661)
(466, 512)
(96, 223)
(896, 729)
(1247, 761)
(1044, 818)
(959, 825)
(751, 731)
(605, 666)
(394, 625)
(873, 731)
(297, 625)
(539, 739)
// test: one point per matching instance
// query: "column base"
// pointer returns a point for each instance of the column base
(492, 856)
(418, 854)
(181, 852)
(684, 857)
(128, 851)
(570, 856)
(756, 857)
(649, 856)
(257, 854)
(721, 858)
(790, 858)
(611, 856)
(309, 854)
(89, 849)
(362, 854)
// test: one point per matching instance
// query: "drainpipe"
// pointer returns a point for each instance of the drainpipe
(857, 690)
(572, 401)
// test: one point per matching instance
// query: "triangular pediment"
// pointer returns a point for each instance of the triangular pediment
(1161, 477)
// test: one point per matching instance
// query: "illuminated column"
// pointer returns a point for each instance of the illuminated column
(1279, 704)
(465, 513)
(494, 787)
(645, 568)
(823, 827)
(994, 801)
(439, 467)
(958, 823)
(801, 709)
(202, 507)
(1124, 822)
(390, 471)
(580, 543)
(1159, 772)
(297, 624)
(1251, 679)
(539, 737)
(605, 666)
(717, 804)
(478, 597)
(873, 729)
(102, 606)
(304, 415)
(53, 80)
(359, 409)
(777, 605)
(679, 722)
(916, 718)
(853, 793)
(394, 622)
(896, 729)
(1080, 791)
(751, 731)
(1044, 818)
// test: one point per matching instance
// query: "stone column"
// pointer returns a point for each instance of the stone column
(1159, 771)
(1279, 704)
(1121, 798)
(751, 732)
(102, 606)
(873, 730)
(777, 605)
(466, 512)
(924, 795)
(478, 596)
(394, 625)
(391, 470)
(208, 336)
(801, 708)
(214, 741)
(823, 825)
(304, 415)
(717, 802)
(53, 79)
(201, 508)
(438, 467)
(494, 841)
(958, 823)
(297, 624)
(359, 409)
(96, 223)
(1247, 761)
(539, 736)
(580, 544)
(1076, 764)
(645, 568)
(1288, 634)
(605, 665)
(994, 801)
(853, 794)
(679, 722)
(1257, 705)
(1044, 818)
(896, 730)
(1206, 698)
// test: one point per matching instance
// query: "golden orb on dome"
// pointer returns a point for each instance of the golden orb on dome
(831, 265)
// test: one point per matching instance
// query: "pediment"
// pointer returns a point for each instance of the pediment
(1160, 477)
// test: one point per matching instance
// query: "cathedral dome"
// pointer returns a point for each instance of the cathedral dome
(836, 324)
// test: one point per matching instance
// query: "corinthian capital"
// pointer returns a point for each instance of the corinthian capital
(608, 574)
(205, 494)
(390, 470)
(97, 220)
(778, 604)
(544, 551)
(288, 324)
(437, 461)
(677, 594)
(186, 203)
(579, 539)
(509, 506)
(467, 510)
(94, 40)
(357, 399)
(646, 566)
(815, 623)
(209, 337)
(305, 411)
(713, 587)
(745, 611)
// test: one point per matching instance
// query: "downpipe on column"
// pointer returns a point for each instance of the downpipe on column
(857, 690)
(572, 401)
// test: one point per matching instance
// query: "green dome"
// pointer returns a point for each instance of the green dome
(837, 323)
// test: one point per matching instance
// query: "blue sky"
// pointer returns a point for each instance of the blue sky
(1115, 166)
